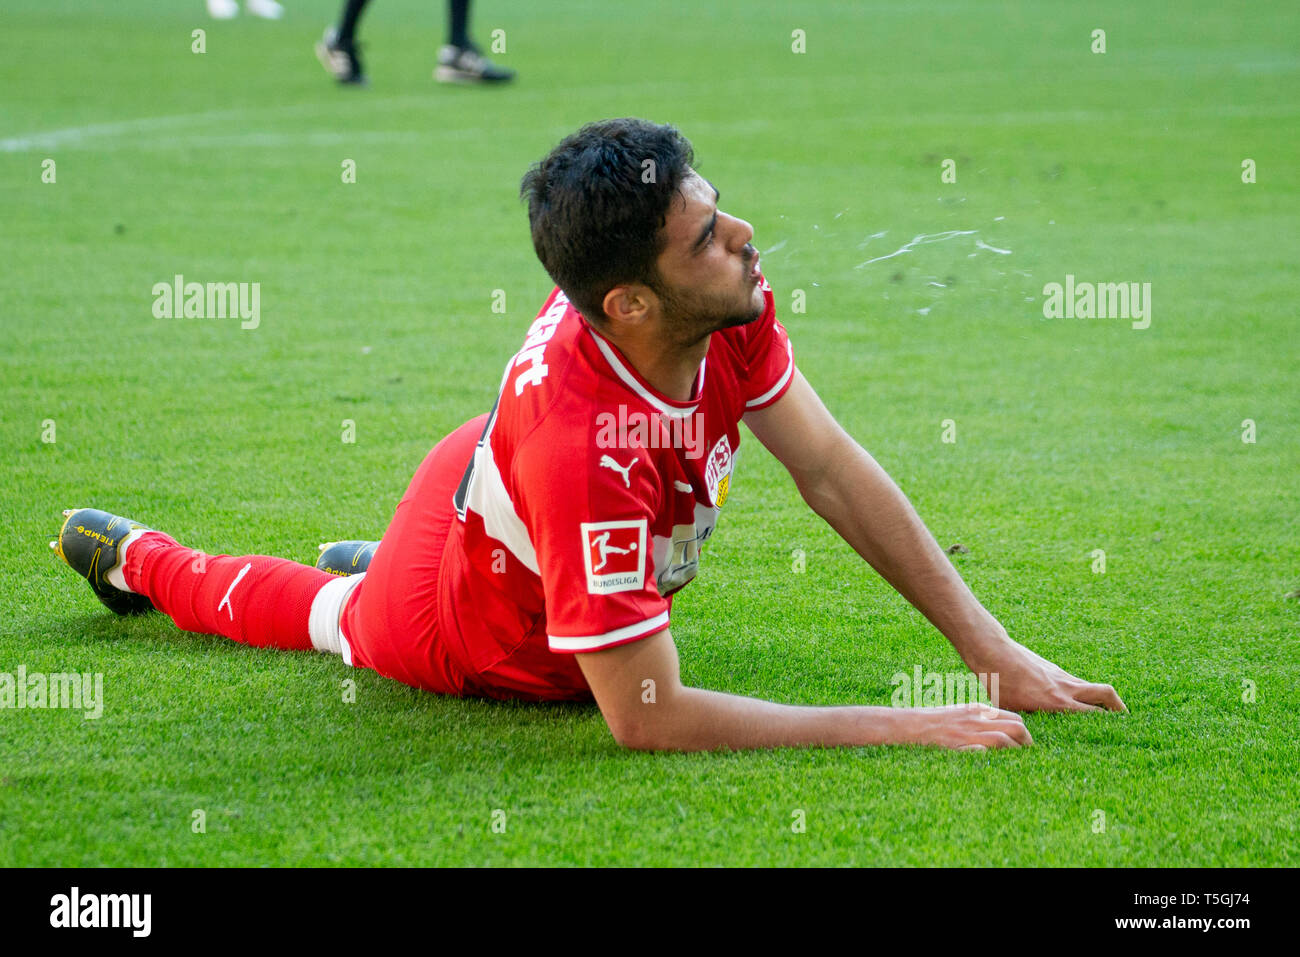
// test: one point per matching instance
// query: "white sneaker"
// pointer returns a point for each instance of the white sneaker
(467, 65)
(266, 9)
(223, 9)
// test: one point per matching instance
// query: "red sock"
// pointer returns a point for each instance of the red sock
(253, 599)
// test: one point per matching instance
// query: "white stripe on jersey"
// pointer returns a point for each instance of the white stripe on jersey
(780, 383)
(631, 382)
(595, 642)
(488, 498)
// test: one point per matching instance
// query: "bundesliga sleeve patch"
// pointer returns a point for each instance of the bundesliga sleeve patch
(614, 553)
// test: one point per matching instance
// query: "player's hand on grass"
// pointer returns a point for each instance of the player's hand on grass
(970, 727)
(1029, 682)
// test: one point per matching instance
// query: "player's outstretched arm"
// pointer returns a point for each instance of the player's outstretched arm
(647, 708)
(846, 486)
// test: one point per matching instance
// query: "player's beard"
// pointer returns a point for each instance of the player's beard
(689, 317)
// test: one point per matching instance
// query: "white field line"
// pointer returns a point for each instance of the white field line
(75, 135)
(207, 127)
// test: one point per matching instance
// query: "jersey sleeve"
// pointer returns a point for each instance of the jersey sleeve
(589, 513)
(769, 357)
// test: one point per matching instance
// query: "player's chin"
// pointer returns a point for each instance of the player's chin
(753, 313)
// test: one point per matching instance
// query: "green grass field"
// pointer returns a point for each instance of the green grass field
(1071, 434)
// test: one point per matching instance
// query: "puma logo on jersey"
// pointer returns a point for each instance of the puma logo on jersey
(225, 602)
(606, 462)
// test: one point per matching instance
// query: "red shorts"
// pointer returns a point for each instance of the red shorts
(390, 621)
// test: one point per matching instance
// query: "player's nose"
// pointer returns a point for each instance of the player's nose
(742, 232)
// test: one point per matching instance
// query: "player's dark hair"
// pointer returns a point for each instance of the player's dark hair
(597, 205)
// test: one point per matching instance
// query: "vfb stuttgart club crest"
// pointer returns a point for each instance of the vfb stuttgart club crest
(717, 472)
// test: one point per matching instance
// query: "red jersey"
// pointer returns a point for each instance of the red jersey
(589, 499)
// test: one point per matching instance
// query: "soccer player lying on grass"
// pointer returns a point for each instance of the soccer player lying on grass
(537, 549)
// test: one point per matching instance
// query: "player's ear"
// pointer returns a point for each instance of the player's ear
(629, 304)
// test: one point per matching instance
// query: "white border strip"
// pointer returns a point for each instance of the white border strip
(630, 381)
(594, 642)
(780, 383)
